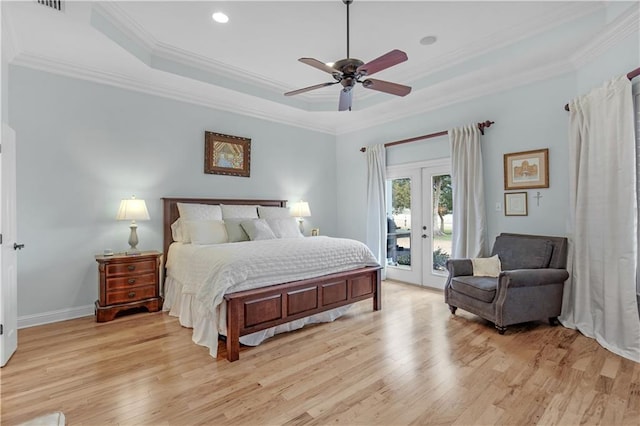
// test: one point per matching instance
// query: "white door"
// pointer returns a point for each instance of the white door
(437, 227)
(418, 222)
(404, 249)
(8, 252)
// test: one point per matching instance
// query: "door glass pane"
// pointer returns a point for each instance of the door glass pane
(442, 221)
(399, 224)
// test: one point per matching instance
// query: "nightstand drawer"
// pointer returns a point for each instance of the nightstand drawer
(131, 295)
(130, 281)
(131, 267)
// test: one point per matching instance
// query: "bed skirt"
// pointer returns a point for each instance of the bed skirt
(188, 311)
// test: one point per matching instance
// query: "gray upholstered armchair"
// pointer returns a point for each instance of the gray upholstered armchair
(528, 288)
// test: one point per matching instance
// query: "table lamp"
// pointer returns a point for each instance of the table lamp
(133, 210)
(301, 210)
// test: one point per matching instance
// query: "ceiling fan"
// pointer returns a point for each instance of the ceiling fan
(350, 71)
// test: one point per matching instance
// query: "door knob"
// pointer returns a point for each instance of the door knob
(424, 235)
(17, 246)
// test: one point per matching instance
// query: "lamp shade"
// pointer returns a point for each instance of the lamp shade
(300, 209)
(133, 209)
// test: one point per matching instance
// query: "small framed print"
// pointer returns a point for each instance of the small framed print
(515, 204)
(227, 155)
(526, 170)
(315, 232)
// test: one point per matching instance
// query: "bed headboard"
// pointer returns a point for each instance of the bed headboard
(170, 213)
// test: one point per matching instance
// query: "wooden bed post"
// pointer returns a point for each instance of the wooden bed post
(233, 330)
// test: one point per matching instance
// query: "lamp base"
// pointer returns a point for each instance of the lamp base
(133, 240)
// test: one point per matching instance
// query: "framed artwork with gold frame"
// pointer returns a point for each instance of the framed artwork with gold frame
(227, 155)
(527, 169)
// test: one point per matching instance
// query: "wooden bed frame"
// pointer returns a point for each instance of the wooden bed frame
(258, 309)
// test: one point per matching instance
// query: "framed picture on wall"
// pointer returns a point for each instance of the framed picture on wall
(227, 155)
(526, 170)
(515, 204)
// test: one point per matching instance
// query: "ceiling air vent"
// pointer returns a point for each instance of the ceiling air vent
(53, 4)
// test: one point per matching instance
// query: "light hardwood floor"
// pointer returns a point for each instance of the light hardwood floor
(411, 363)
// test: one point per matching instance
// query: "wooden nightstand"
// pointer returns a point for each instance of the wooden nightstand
(127, 282)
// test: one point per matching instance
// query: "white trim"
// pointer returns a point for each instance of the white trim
(33, 320)
(625, 25)
(479, 83)
(522, 31)
(122, 81)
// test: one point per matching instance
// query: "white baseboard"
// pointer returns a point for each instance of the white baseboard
(27, 321)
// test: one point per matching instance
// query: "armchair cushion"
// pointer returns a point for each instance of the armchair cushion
(536, 277)
(480, 288)
(520, 253)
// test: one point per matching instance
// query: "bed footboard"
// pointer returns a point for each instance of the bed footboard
(254, 310)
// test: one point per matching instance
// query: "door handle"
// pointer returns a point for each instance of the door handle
(17, 246)
(424, 235)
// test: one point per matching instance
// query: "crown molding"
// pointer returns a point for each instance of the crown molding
(159, 50)
(514, 34)
(125, 24)
(226, 104)
(625, 25)
(479, 83)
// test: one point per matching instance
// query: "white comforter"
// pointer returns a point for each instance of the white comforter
(208, 272)
(199, 276)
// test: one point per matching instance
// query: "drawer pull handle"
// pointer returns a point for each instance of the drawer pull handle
(131, 267)
(132, 280)
(132, 294)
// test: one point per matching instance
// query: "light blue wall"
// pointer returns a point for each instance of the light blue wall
(81, 147)
(526, 118)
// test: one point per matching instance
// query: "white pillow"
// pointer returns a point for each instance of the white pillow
(177, 233)
(486, 267)
(235, 232)
(285, 227)
(207, 231)
(190, 211)
(258, 229)
(273, 212)
(234, 212)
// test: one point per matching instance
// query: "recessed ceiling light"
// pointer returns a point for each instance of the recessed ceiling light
(220, 17)
(425, 41)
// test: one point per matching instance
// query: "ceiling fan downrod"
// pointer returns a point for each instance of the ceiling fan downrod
(347, 2)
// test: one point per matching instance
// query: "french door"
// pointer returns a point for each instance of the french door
(419, 227)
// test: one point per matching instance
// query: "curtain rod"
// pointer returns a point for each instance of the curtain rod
(631, 75)
(481, 126)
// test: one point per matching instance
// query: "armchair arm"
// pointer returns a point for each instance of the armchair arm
(458, 267)
(533, 277)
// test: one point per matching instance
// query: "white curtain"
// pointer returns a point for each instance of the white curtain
(469, 217)
(376, 198)
(600, 297)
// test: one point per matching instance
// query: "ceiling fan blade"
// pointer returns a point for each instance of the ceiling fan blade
(386, 87)
(383, 62)
(318, 64)
(346, 95)
(306, 89)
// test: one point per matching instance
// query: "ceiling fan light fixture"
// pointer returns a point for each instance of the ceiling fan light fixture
(220, 17)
